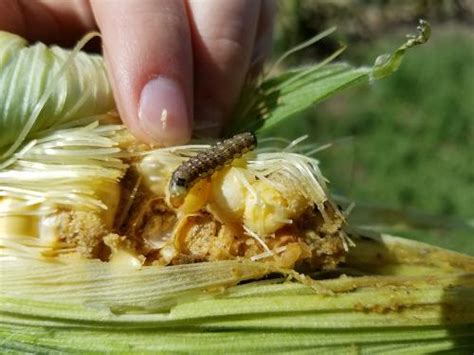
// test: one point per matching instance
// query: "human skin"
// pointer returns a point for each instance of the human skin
(176, 66)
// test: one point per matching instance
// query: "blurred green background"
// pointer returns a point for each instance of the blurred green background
(403, 146)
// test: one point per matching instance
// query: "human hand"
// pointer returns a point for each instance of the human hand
(173, 64)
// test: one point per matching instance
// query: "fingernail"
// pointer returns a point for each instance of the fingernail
(162, 112)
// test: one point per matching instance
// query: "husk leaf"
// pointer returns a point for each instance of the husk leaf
(407, 296)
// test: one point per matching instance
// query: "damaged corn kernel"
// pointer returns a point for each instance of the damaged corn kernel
(265, 207)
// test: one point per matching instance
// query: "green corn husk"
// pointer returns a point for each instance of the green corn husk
(406, 297)
(391, 296)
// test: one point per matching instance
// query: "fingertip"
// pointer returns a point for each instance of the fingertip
(148, 49)
(162, 113)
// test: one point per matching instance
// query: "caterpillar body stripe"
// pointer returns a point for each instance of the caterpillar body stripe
(205, 163)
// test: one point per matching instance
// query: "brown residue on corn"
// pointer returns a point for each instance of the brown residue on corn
(84, 230)
(147, 227)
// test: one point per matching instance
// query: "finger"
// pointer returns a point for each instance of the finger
(57, 21)
(264, 37)
(223, 34)
(148, 49)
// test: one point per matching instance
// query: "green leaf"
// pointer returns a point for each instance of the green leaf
(281, 97)
(447, 232)
(388, 63)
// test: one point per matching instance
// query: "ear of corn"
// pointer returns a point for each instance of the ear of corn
(74, 166)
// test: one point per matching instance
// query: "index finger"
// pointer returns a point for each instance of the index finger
(148, 49)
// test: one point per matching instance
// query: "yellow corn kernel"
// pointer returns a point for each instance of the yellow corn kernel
(265, 209)
(196, 198)
(272, 205)
(109, 194)
(16, 224)
(229, 192)
(123, 252)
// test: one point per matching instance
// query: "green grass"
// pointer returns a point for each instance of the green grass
(412, 134)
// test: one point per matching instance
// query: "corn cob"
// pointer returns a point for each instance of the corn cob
(87, 225)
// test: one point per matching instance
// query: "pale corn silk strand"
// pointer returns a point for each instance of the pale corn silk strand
(44, 88)
(52, 147)
(54, 153)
